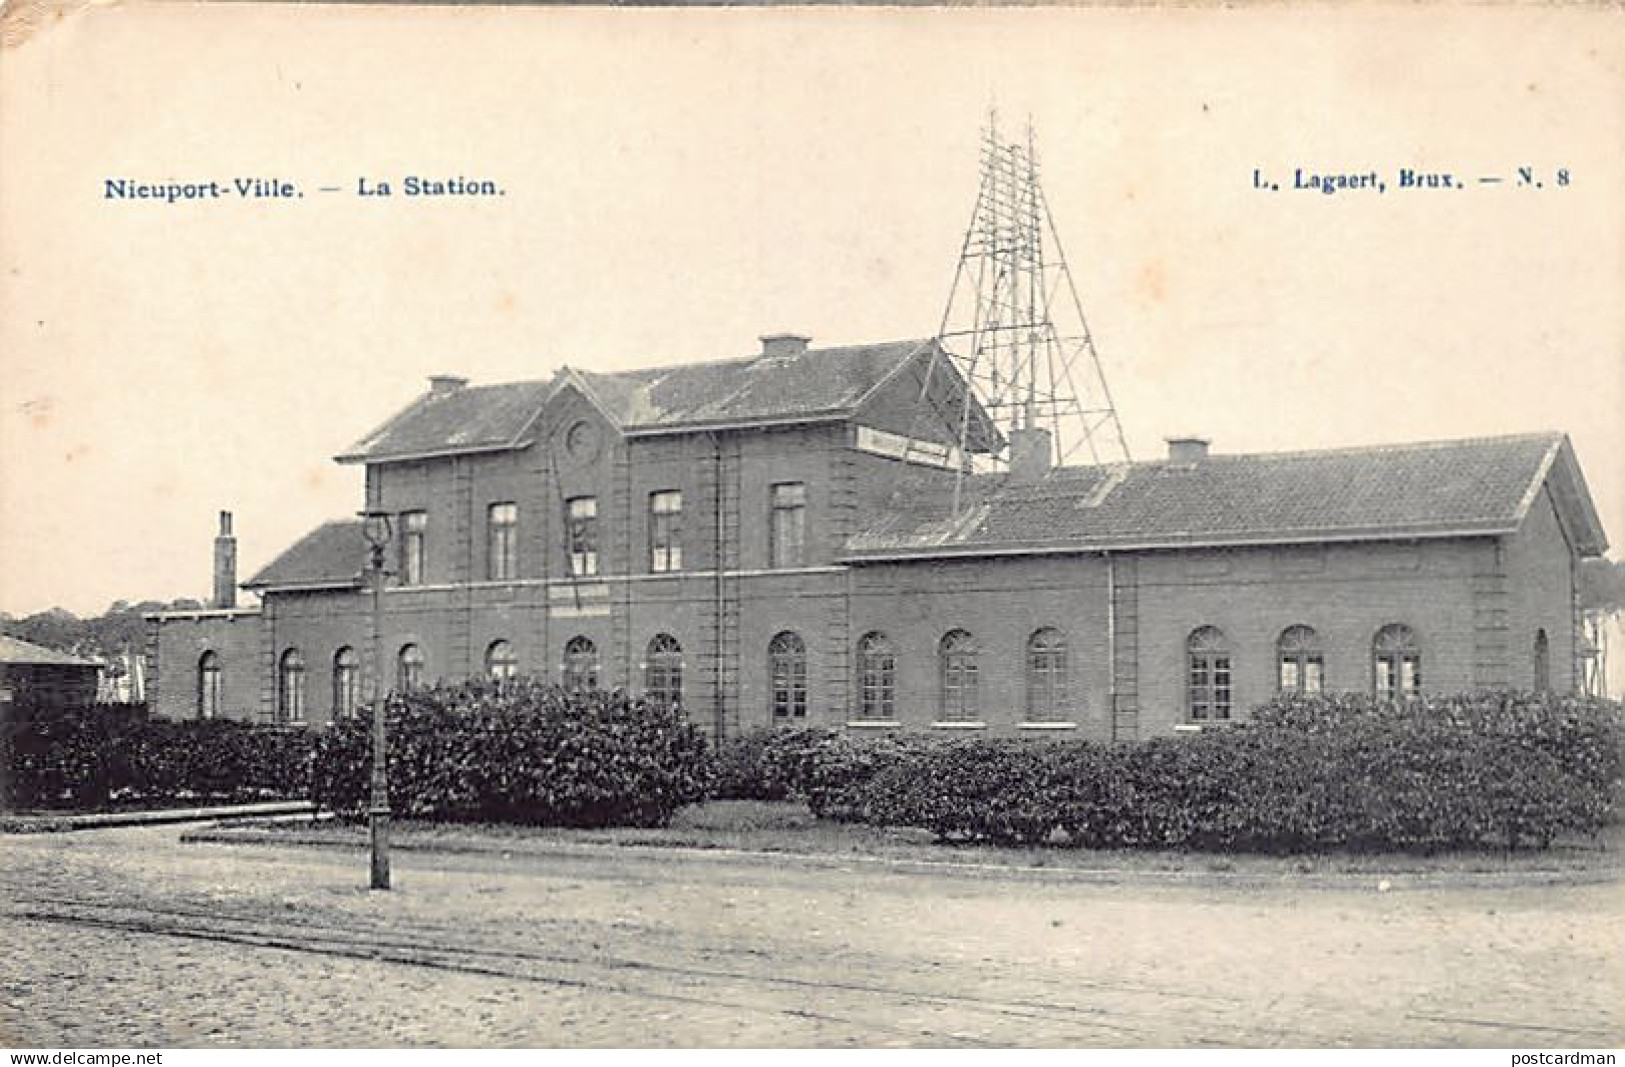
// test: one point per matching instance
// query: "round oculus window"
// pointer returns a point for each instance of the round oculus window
(581, 441)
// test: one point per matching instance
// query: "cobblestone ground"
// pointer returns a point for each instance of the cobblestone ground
(129, 938)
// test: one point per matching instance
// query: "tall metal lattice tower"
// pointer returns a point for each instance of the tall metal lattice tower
(1014, 327)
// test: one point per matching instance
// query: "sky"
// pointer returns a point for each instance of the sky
(676, 183)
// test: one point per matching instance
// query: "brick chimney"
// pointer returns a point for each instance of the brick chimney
(1031, 454)
(441, 384)
(784, 345)
(225, 565)
(1187, 451)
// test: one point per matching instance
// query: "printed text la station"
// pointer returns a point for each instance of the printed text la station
(172, 191)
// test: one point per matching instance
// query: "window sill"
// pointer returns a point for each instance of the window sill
(1046, 726)
(959, 724)
(873, 724)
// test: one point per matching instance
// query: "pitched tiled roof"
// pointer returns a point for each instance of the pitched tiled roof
(332, 555)
(469, 419)
(1435, 489)
(17, 651)
(818, 383)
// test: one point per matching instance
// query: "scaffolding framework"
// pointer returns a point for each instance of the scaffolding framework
(1593, 653)
(1014, 327)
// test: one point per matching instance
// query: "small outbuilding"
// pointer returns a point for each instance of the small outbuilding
(36, 680)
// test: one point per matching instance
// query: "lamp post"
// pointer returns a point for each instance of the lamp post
(375, 527)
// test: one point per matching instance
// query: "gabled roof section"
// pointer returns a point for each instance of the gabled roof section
(17, 652)
(821, 384)
(1437, 489)
(329, 557)
(1573, 500)
(482, 418)
(815, 385)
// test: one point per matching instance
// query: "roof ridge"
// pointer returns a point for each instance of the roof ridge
(498, 385)
(1457, 487)
(1343, 450)
(665, 368)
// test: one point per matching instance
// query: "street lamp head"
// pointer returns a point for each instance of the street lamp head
(375, 527)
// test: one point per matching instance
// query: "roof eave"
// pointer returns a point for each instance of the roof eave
(438, 453)
(262, 585)
(199, 613)
(1061, 548)
(802, 419)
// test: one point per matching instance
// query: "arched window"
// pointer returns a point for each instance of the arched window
(877, 677)
(409, 668)
(500, 661)
(957, 657)
(208, 685)
(787, 668)
(1208, 697)
(290, 689)
(1396, 663)
(663, 671)
(580, 665)
(1543, 662)
(1302, 663)
(1046, 675)
(346, 683)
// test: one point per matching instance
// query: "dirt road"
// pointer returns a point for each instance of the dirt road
(129, 938)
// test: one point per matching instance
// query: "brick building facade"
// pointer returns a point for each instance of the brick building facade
(746, 537)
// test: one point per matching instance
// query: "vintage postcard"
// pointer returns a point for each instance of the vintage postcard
(1017, 393)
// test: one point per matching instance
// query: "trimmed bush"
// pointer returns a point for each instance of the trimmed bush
(824, 767)
(747, 768)
(521, 752)
(1306, 774)
(114, 755)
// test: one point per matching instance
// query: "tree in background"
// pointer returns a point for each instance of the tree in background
(117, 638)
(1602, 586)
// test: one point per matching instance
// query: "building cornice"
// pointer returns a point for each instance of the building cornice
(858, 557)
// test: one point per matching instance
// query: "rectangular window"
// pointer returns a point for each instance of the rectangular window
(789, 525)
(959, 692)
(1209, 686)
(1199, 686)
(1312, 671)
(581, 535)
(502, 542)
(1399, 676)
(666, 531)
(1301, 673)
(1221, 687)
(1289, 675)
(414, 532)
(1410, 676)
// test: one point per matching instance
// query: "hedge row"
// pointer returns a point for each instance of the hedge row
(1305, 774)
(114, 756)
(521, 752)
(1302, 774)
